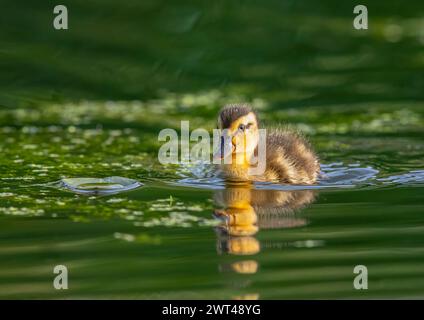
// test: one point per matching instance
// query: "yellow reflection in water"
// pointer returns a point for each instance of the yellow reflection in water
(245, 210)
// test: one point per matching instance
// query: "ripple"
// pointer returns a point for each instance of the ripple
(351, 175)
(333, 175)
(99, 186)
(412, 177)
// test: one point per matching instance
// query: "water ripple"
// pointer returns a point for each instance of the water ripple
(411, 177)
(333, 175)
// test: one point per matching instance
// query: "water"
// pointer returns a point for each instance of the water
(90, 102)
(98, 187)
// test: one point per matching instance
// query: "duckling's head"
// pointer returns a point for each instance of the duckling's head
(239, 130)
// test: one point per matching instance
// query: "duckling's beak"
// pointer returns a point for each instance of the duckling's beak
(225, 149)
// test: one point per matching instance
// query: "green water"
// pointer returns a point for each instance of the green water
(89, 103)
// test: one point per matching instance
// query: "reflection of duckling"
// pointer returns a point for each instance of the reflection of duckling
(249, 296)
(245, 267)
(236, 235)
(289, 158)
(239, 215)
(248, 209)
(245, 210)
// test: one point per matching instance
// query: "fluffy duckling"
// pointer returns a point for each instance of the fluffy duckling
(289, 158)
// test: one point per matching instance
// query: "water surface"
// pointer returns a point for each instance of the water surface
(89, 103)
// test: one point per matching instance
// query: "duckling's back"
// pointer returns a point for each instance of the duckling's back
(290, 158)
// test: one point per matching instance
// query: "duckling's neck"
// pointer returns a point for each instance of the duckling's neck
(242, 160)
(239, 167)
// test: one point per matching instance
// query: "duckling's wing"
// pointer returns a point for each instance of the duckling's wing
(290, 156)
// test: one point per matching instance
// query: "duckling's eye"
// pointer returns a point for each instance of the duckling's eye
(249, 125)
(242, 127)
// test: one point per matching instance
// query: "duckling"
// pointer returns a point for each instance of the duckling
(289, 157)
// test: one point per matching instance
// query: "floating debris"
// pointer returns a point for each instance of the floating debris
(178, 219)
(99, 186)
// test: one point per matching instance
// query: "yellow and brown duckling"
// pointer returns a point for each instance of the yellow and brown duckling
(289, 157)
